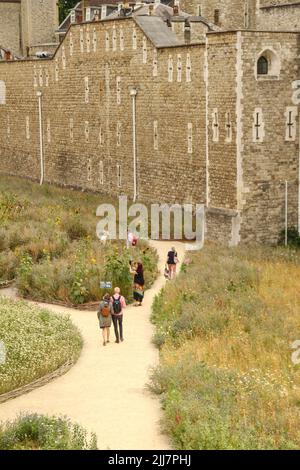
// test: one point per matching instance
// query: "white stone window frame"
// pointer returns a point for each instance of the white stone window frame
(215, 126)
(246, 14)
(155, 135)
(71, 126)
(155, 63)
(107, 79)
(35, 79)
(291, 115)
(107, 45)
(274, 64)
(87, 131)
(114, 39)
(188, 68)
(258, 126)
(56, 70)
(103, 12)
(8, 126)
(86, 90)
(122, 46)
(88, 14)
(88, 40)
(134, 39)
(119, 176)
(101, 136)
(71, 43)
(48, 131)
(145, 50)
(228, 127)
(47, 78)
(41, 78)
(179, 68)
(190, 137)
(119, 134)
(63, 57)
(170, 69)
(101, 172)
(73, 16)
(118, 85)
(89, 170)
(94, 40)
(2, 93)
(81, 40)
(27, 128)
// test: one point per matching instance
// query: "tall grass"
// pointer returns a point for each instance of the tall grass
(48, 243)
(225, 328)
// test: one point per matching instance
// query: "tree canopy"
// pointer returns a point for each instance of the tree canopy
(64, 7)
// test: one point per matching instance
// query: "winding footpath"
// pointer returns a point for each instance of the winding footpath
(106, 390)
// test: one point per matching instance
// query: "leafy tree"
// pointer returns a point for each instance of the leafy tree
(64, 7)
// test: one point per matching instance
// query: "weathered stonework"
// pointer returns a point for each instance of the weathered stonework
(209, 128)
(26, 24)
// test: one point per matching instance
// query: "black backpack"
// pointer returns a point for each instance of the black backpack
(117, 306)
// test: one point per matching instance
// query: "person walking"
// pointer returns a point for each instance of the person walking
(138, 283)
(104, 315)
(172, 262)
(119, 304)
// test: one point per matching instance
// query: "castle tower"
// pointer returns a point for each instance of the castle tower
(39, 20)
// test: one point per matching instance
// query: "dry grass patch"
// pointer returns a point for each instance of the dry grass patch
(225, 328)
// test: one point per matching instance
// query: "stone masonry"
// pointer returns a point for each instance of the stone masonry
(210, 128)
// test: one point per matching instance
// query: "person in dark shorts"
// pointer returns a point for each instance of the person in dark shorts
(172, 262)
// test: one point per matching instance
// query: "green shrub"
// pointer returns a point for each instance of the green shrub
(75, 229)
(293, 237)
(38, 432)
(37, 342)
(8, 265)
(49, 245)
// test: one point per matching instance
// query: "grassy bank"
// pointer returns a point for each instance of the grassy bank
(37, 432)
(35, 342)
(48, 243)
(225, 329)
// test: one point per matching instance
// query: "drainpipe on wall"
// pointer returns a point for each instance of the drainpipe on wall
(39, 95)
(133, 94)
(299, 178)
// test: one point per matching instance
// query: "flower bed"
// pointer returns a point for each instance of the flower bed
(38, 432)
(34, 343)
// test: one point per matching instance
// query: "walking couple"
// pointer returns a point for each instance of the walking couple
(111, 311)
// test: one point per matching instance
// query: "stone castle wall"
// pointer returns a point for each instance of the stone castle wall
(197, 107)
(268, 163)
(10, 26)
(39, 22)
(279, 16)
(87, 115)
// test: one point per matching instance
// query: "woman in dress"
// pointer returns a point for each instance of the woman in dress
(104, 314)
(138, 283)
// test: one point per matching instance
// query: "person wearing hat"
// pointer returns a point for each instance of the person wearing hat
(104, 315)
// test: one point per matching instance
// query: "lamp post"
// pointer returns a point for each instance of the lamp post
(39, 95)
(133, 94)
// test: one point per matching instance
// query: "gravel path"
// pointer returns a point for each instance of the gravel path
(105, 391)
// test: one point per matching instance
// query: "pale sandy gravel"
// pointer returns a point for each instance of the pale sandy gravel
(105, 391)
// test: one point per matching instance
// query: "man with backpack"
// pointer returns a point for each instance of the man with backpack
(118, 305)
